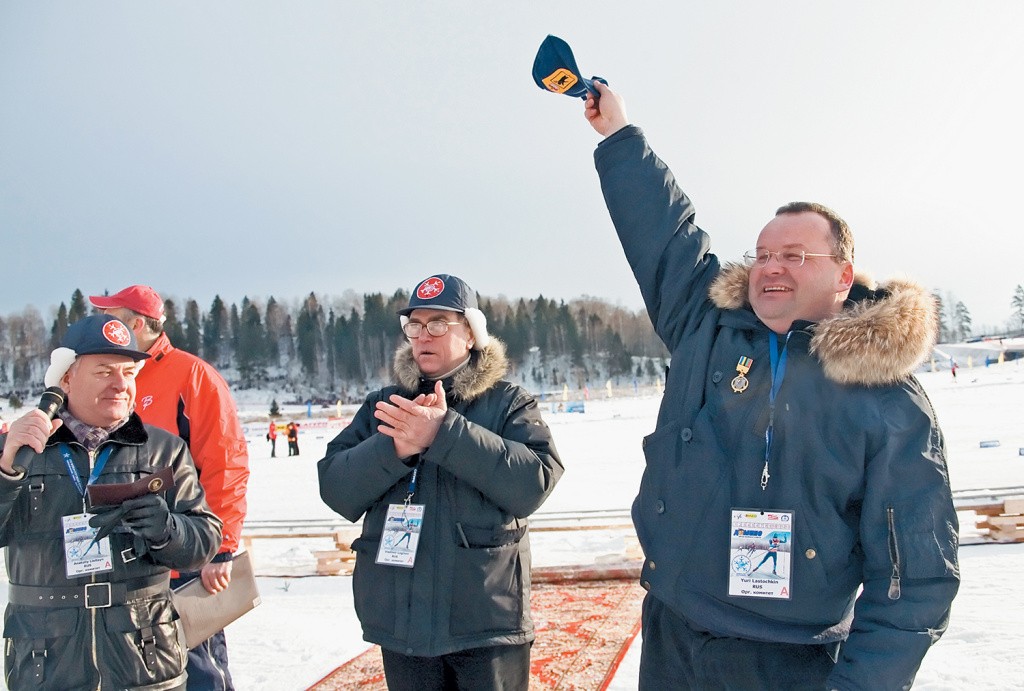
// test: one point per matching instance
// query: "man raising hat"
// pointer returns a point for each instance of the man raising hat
(186, 396)
(94, 610)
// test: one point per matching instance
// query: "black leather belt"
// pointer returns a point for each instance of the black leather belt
(90, 595)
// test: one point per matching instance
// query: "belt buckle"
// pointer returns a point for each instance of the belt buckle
(97, 595)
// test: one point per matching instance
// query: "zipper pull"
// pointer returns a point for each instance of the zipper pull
(894, 586)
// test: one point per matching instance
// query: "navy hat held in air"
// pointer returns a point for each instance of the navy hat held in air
(452, 294)
(100, 334)
(554, 69)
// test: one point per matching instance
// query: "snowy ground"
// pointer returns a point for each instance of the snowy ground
(306, 627)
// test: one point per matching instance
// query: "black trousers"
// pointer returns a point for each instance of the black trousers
(678, 655)
(495, 668)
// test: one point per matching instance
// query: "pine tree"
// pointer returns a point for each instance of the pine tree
(274, 321)
(193, 328)
(962, 321)
(215, 332)
(78, 308)
(60, 326)
(1018, 305)
(172, 327)
(252, 346)
(309, 335)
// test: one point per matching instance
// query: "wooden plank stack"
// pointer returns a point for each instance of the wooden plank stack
(1001, 521)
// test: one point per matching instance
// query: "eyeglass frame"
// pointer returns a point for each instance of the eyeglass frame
(755, 261)
(420, 328)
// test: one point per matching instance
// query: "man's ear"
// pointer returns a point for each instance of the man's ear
(846, 278)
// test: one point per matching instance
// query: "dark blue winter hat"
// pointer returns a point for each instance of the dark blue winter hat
(554, 69)
(441, 292)
(447, 292)
(100, 334)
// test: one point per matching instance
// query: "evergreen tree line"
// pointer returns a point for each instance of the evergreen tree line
(343, 347)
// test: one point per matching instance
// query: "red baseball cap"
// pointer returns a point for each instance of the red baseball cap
(141, 299)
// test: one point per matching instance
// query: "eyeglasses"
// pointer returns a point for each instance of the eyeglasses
(435, 328)
(791, 259)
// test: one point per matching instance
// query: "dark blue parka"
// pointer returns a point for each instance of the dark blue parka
(857, 454)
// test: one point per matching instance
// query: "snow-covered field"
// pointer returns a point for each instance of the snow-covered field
(306, 626)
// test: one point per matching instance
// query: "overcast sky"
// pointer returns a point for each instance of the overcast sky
(276, 148)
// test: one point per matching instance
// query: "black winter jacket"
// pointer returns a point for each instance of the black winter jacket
(137, 645)
(857, 454)
(492, 464)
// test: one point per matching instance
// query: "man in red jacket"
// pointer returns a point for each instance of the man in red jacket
(186, 396)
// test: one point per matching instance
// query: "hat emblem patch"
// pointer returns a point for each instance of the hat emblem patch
(117, 333)
(560, 81)
(430, 288)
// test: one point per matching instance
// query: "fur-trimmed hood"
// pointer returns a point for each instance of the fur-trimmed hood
(882, 335)
(485, 369)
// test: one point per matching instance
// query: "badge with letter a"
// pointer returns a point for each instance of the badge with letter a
(740, 382)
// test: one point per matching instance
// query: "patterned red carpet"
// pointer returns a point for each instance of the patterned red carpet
(583, 629)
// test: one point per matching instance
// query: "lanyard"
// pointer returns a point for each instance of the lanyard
(412, 483)
(101, 461)
(778, 362)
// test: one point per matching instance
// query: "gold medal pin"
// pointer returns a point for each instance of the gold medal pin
(740, 383)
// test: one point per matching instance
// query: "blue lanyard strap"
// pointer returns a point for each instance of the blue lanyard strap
(101, 461)
(412, 483)
(778, 363)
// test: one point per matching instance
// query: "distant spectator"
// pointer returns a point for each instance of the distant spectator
(293, 439)
(272, 438)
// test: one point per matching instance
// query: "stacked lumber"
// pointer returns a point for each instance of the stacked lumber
(1001, 521)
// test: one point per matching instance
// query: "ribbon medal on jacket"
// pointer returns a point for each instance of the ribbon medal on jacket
(740, 382)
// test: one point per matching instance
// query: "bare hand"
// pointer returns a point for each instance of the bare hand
(216, 576)
(607, 114)
(32, 430)
(412, 424)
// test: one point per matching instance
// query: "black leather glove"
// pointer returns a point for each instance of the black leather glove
(106, 518)
(149, 517)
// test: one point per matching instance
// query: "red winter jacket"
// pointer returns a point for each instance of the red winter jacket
(186, 396)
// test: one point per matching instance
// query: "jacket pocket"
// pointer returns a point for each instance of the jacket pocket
(921, 545)
(61, 649)
(487, 587)
(145, 643)
(373, 587)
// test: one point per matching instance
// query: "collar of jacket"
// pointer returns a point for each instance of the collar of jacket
(132, 433)
(160, 347)
(485, 369)
(880, 337)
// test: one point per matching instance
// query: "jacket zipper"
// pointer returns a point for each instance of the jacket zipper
(92, 612)
(894, 556)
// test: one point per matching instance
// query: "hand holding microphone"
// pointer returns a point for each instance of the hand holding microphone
(28, 434)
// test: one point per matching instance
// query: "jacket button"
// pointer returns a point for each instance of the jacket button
(651, 565)
(810, 554)
(659, 506)
(408, 651)
(716, 377)
(686, 434)
(646, 585)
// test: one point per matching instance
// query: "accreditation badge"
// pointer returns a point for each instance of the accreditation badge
(83, 553)
(401, 535)
(759, 554)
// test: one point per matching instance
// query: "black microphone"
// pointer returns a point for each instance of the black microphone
(50, 402)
